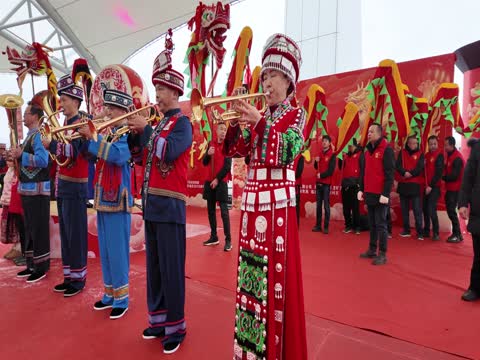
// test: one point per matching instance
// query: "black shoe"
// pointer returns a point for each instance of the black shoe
(455, 239)
(357, 231)
(60, 287)
(117, 313)
(470, 295)
(369, 254)
(211, 241)
(347, 230)
(435, 237)
(150, 333)
(71, 291)
(36, 276)
(381, 259)
(24, 273)
(405, 234)
(317, 228)
(227, 247)
(170, 348)
(419, 237)
(325, 230)
(99, 305)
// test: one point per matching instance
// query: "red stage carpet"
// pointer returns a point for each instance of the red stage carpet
(414, 298)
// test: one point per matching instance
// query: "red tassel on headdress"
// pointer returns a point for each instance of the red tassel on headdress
(81, 72)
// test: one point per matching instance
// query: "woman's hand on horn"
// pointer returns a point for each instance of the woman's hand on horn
(249, 114)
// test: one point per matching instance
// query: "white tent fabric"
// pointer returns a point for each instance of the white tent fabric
(106, 31)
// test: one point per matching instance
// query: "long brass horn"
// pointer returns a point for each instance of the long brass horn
(11, 103)
(53, 132)
(199, 104)
(52, 122)
(96, 128)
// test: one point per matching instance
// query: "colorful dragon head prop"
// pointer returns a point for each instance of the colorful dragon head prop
(32, 60)
(209, 26)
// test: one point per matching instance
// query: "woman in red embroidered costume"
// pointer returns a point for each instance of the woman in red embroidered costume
(270, 318)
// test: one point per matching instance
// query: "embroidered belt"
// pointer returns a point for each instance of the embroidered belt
(73, 179)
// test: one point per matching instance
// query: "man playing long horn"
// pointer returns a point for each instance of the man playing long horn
(71, 194)
(34, 188)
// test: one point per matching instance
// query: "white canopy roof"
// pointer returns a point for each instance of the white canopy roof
(102, 31)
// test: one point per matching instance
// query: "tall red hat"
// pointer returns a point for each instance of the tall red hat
(283, 54)
(163, 73)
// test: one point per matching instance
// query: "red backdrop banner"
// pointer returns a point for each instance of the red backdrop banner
(422, 76)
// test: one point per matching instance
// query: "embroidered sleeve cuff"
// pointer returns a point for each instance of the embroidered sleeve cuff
(160, 148)
(67, 150)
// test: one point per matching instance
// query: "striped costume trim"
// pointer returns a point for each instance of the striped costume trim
(41, 258)
(66, 272)
(78, 274)
(108, 290)
(107, 150)
(121, 293)
(167, 193)
(100, 149)
(164, 323)
(123, 203)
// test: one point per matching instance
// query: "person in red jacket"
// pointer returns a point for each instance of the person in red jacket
(325, 166)
(453, 180)
(380, 167)
(434, 162)
(410, 165)
(352, 166)
(216, 187)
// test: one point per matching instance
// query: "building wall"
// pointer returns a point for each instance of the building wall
(328, 32)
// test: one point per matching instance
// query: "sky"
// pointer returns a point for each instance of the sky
(399, 30)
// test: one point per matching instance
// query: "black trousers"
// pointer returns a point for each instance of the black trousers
(165, 252)
(36, 210)
(417, 213)
(377, 219)
(72, 216)
(323, 197)
(212, 218)
(389, 221)
(475, 273)
(451, 202)
(430, 203)
(351, 210)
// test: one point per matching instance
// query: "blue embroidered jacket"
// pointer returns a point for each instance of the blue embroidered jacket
(115, 158)
(34, 163)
